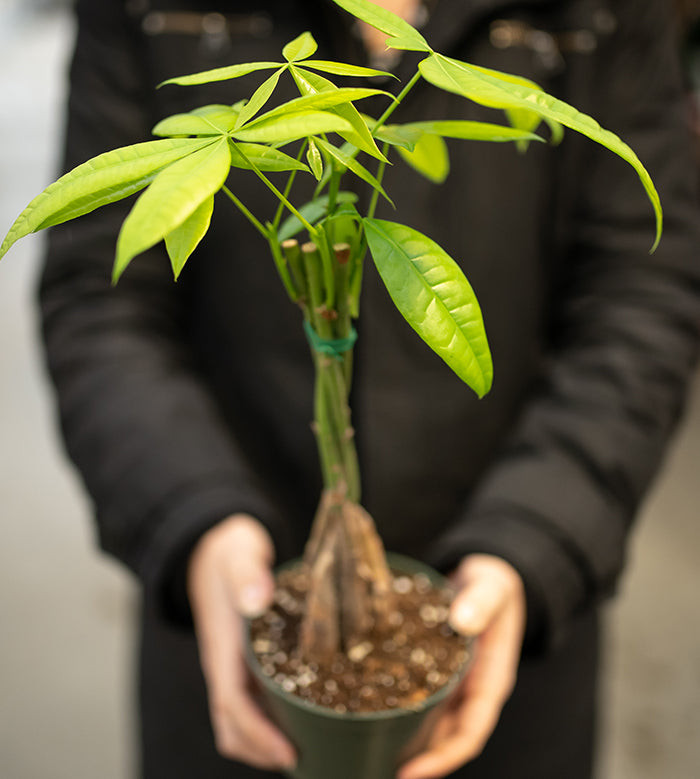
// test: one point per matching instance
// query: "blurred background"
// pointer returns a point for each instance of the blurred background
(66, 636)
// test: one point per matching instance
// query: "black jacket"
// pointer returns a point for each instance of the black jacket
(183, 403)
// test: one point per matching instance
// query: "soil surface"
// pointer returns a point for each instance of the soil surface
(398, 668)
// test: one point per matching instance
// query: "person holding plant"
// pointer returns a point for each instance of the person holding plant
(186, 406)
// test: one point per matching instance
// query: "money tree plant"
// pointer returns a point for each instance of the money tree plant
(191, 162)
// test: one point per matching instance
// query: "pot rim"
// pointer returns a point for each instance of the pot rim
(401, 562)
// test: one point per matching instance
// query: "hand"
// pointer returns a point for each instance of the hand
(490, 604)
(229, 577)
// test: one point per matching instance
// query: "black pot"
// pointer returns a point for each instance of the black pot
(367, 745)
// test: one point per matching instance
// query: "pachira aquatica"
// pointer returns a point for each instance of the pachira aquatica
(323, 133)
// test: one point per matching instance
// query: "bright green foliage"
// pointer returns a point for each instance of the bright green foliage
(267, 158)
(343, 69)
(261, 95)
(431, 292)
(185, 168)
(401, 34)
(104, 179)
(221, 74)
(359, 135)
(315, 160)
(429, 157)
(174, 195)
(300, 48)
(500, 91)
(313, 212)
(183, 240)
(193, 124)
(353, 166)
(292, 127)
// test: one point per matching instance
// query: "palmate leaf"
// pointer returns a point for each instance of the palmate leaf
(431, 292)
(183, 240)
(263, 157)
(401, 34)
(496, 90)
(174, 195)
(359, 135)
(104, 179)
(353, 166)
(290, 127)
(221, 74)
(313, 211)
(429, 157)
(300, 48)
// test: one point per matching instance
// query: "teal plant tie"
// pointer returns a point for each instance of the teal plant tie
(331, 347)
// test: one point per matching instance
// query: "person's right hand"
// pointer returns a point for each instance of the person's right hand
(228, 578)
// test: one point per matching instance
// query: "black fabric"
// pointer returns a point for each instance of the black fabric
(183, 403)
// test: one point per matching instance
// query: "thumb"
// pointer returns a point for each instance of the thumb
(248, 566)
(482, 597)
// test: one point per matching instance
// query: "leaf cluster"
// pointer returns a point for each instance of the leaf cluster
(179, 174)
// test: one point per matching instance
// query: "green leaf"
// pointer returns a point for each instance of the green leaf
(186, 124)
(401, 34)
(221, 74)
(313, 157)
(320, 101)
(398, 135)
(183, 240)
(258, 99)
(173, 196)
(342, 227)
(482, 86)
(300, 48)
(263, 157)
(312, 211)
(359, 135)
(343, 69)
(291, 127)
(472, 131)
(429, 157)
(103, 179)
(353, 166)
(432, 294)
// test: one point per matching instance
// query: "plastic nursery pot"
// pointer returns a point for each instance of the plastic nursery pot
(367, 745)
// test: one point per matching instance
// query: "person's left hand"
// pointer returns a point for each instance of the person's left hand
(490, 604)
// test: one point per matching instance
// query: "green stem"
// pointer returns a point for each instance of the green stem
(281, 264)
(380, 175)
(288, 189)
(256, 224)
(282, 198)
(395, 104)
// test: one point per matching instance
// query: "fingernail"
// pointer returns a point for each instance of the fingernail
(253, 601)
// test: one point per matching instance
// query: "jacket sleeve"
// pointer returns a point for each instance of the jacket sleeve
(559, 500)
(138, 419)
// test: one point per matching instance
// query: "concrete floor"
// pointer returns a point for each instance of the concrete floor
(66, 639)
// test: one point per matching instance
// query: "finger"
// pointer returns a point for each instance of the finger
(462, 745)
(249, 574)
(244, 733)
(478, 603)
